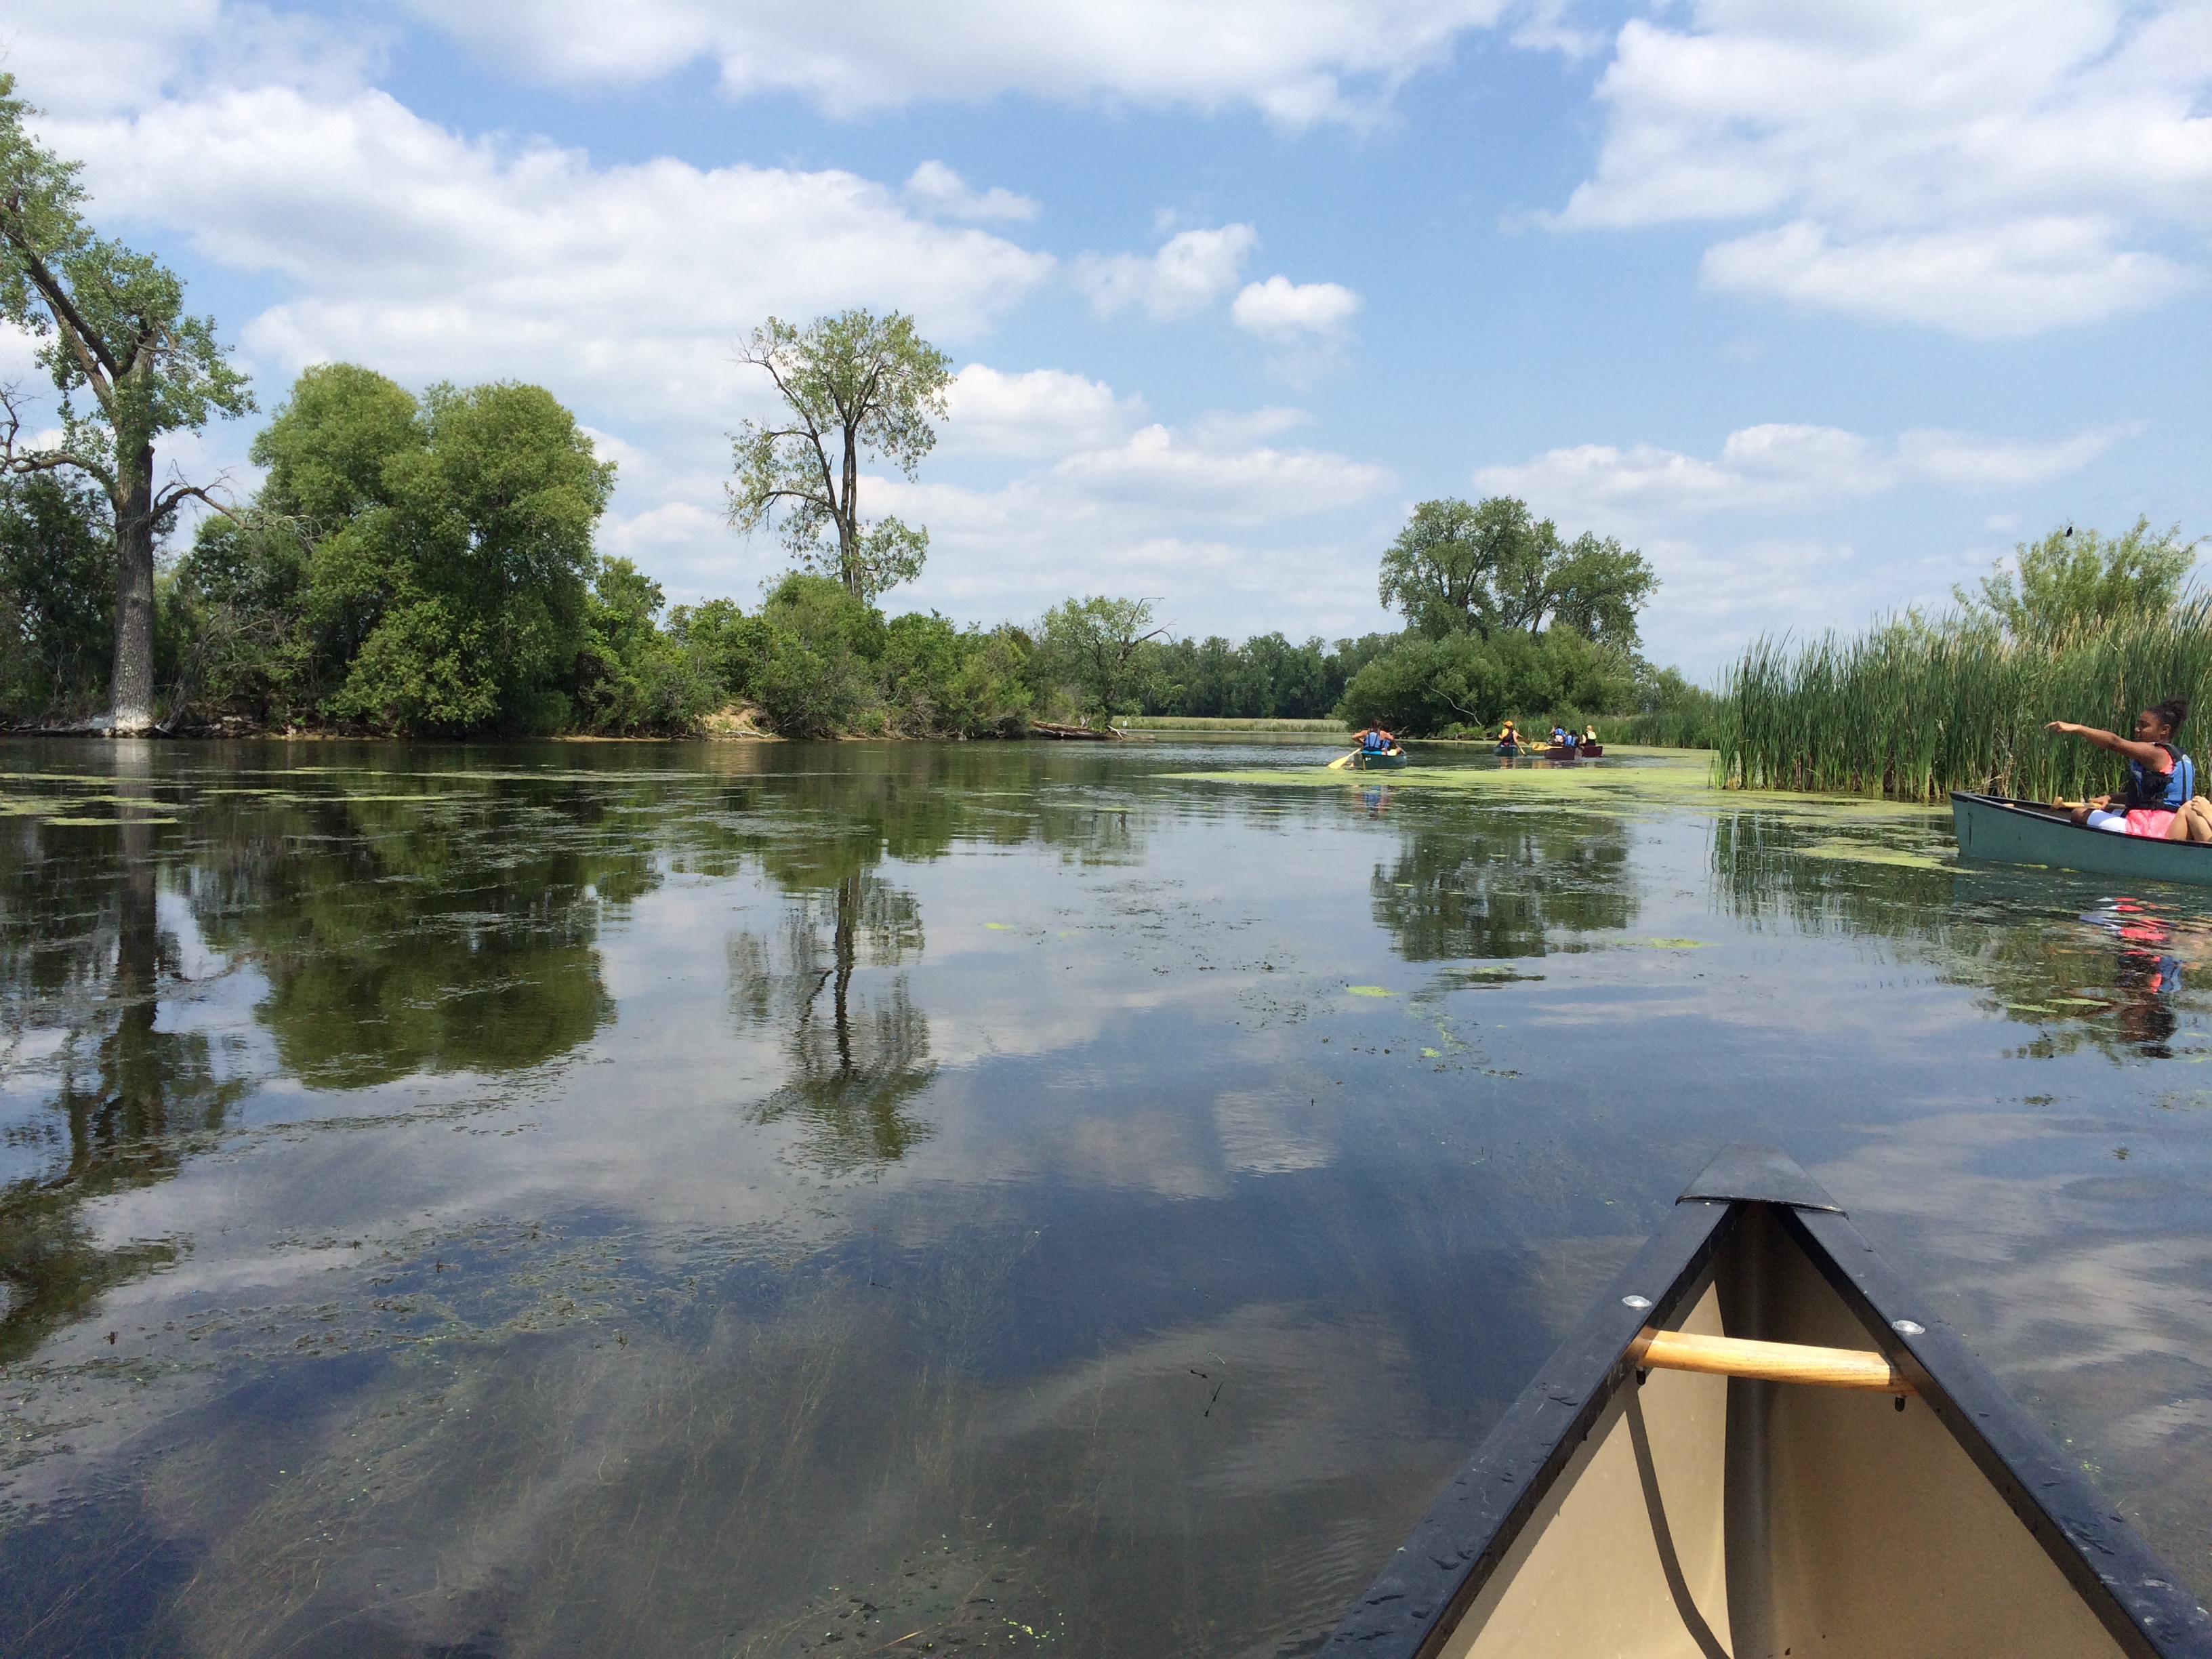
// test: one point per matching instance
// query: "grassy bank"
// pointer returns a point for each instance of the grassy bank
(1222, 723)
(1913, 712)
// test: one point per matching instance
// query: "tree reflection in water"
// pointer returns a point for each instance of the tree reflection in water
(858, 1048)
(1502, 885)
(457, 931)
(81, 948)
(397, 936)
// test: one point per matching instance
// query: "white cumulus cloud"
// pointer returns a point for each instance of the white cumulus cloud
(936, 188)
(1990, 166)
(1778, 466)
(1190, 272)
(1297, 61)
(428, 255)
(1230, 530)
(1279, 309)
(1045, 411)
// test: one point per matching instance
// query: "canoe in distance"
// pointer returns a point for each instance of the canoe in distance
(2006, 831)
(1655, 1492)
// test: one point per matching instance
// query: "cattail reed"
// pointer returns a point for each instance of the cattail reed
(1913, 710)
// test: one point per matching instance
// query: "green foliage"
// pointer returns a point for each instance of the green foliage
(1095, 648)
(1267, 678)
(108, 320)
(56, 597)
(943, 681)
(421, 567)
(1426, 686)
(327, 447)
(2067, 583)
(853, 384)
(724, 646)
(1492, 568)
(1670, 713)
(633, 678)
(110, 323)
(2084, 628)
(817, 676)
(1914, 711)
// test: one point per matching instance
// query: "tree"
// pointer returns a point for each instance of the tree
(1426, 685)
(2068, 581)
(57, 595)
(851, 382)
(110, 322)
(418, 566)
(1095, 646)
(817, 678)
(474, 563)
(1455, 569)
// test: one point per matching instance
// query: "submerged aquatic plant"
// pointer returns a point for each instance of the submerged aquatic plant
(1913, 710)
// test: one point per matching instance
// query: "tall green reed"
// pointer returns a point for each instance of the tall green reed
(1912, 710)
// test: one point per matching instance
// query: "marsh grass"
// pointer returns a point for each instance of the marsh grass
(1912, 711)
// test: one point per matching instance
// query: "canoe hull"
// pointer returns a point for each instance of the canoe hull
(2000, 831)
(1394, 762)
(1669, 1514)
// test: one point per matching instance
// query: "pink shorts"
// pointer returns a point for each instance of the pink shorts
(2149, 821)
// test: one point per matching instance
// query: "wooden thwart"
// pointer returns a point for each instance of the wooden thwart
(1772, 1362)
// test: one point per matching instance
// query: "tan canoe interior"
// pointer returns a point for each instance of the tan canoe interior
(1841, 1527)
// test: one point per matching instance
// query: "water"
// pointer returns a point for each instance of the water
(750, 1200)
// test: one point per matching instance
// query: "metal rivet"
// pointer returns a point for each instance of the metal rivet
(1636, 1302)
(1908, 1328)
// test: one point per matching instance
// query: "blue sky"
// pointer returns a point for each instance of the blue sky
(1823, 308)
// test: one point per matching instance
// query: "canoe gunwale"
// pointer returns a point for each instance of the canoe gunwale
(1412, 1606)
(1412, 1610)
(1998, 829)
(2131, 1590)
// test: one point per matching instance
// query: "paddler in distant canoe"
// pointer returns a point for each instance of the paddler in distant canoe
(2158, 798)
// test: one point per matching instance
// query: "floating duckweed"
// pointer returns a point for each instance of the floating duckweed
(1370, 991)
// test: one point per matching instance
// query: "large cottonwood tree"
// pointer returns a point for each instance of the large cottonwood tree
(1494, 566)
(850, 382)
(112, 328)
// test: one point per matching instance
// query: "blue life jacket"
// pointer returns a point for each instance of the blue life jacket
(2163, 793)
(1371, 742)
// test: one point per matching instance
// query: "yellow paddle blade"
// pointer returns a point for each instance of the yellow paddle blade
(1343, 760)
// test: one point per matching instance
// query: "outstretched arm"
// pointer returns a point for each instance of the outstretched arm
(2149, 753)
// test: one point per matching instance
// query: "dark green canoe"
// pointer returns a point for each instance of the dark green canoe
(1390, 759)
(2004, 831)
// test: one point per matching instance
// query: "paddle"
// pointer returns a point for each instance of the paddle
(1343, 760)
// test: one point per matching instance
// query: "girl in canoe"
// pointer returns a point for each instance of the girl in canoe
(2158, 798)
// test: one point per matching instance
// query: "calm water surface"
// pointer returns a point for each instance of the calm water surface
(763, 1199)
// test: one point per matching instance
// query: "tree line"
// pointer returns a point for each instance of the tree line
(427, 564)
